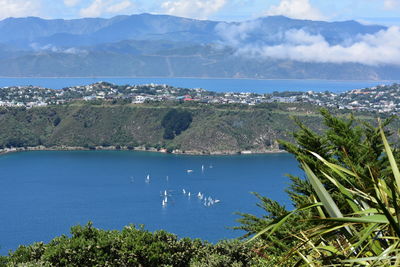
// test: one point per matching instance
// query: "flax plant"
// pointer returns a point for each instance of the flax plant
(368, 235)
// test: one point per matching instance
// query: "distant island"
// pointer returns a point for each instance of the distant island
(168, 119)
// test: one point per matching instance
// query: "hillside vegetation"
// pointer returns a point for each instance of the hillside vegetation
(131, 246)
(198, 128)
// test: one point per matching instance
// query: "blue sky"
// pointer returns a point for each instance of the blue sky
(382, 11)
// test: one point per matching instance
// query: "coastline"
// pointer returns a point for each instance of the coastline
(143, 149)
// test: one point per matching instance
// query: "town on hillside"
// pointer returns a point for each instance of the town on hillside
(382, 99)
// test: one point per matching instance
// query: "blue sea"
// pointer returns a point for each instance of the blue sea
(217, 85)
(43, 193)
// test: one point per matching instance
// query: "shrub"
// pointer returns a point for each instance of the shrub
(346, 211)
(132, 246)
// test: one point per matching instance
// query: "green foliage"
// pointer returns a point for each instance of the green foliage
(132, 246)
(56, 121)
(282, 241)
(348, 171)
(175, 122)
(214, 128)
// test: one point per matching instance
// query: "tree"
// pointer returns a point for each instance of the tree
(349, 143)
(175, 122)
(56, 121)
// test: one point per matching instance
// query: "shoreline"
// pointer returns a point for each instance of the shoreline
(142, 149)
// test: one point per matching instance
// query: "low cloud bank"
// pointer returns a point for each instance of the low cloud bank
(381, 48)
(54, 49)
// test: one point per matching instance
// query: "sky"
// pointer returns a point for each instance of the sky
(367, 11)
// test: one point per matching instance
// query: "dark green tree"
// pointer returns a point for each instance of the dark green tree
(175, 122)
(351, 143)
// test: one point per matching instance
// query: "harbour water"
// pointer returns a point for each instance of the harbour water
(217, 85)
(44, 193)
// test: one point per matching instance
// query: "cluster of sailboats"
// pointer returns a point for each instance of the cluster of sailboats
(207, 201)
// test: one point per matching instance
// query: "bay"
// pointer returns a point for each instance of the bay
(44, 193)
(217, 85)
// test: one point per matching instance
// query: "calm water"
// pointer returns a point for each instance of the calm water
(218, 85)
(43, 194)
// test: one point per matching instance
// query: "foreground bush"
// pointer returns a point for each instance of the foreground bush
(132, 246)
(347, 209)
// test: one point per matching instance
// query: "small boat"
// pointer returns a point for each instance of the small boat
(202, 168)
(189, 194)
(148, 178)
(189, 171)
(164, 204)
(184, 191)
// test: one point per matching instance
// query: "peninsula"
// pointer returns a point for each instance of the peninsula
(168, 119)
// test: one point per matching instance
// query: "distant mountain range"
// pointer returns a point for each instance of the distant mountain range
(167, 46)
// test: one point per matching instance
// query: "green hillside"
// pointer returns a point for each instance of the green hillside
(211, 129)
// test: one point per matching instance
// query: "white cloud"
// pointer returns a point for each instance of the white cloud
(71, 3)
(200, 9)
(101, 7)
(51, 48)
(19, 8)
(381, 48)
(296, 9)
(236, 34)
(119, 7)
(391, 4)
